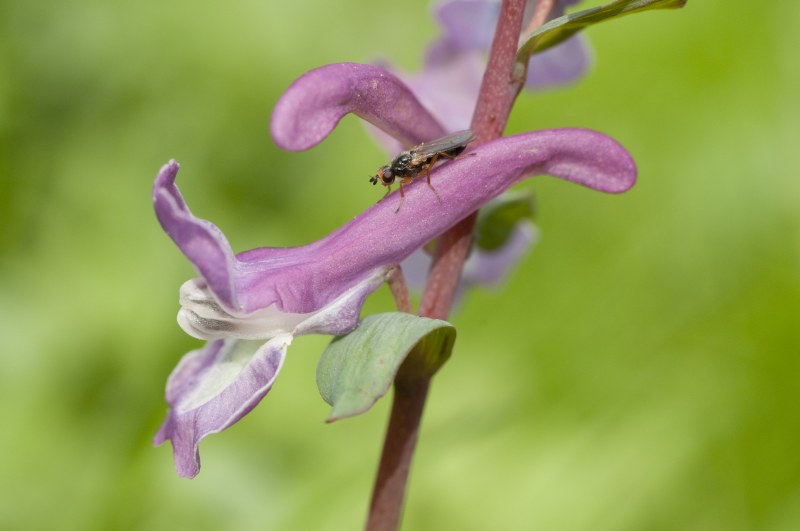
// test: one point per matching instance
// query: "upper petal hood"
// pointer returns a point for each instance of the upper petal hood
(305, 279)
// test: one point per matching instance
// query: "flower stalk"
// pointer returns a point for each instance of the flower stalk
(399, 288)
(501, 84)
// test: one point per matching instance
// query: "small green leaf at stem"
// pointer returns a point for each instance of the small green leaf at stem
(357, 369)
(560, 29)
(497, 220)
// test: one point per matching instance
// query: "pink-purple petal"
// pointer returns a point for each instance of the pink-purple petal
(308, 278)
(212, 388)
(563, 64)
(449, 88)
(200, 240)
(468, 29)
(468, 24)
(296, 280)
(312, 106)
(382, 235)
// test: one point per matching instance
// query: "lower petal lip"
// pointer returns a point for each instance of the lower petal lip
(212, 389)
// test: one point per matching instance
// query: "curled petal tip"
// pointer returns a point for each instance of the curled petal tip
(200, 240)
(588, 158)
(166, 175)
(315, 103)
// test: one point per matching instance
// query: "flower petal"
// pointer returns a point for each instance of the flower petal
(313, 105)
(468, 24)
(200, 240)
(308, 278)
(299, 280)
(200, 316)
(563, 64)
(468, 27)
(586, 157)
(213, 388)
(449, 85)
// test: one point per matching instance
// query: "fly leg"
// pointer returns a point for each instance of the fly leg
(433, 161)
(401, 182)
(427, 169)
(428, 173)
(388, 191)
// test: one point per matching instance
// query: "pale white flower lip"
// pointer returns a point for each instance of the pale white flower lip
(214, 387)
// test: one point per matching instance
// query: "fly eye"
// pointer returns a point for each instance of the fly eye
(387, 179)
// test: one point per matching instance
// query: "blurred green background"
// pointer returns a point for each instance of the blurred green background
(639, 371)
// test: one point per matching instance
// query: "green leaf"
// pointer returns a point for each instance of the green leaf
(496, 221)
(560, 29)
(359, 368)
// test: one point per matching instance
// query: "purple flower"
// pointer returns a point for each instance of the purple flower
(250, 306)
(451, 77)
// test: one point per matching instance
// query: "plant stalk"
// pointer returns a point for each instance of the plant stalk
(501, 84)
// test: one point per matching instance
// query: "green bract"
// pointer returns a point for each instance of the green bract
(498, 219)
(357, 369)
(560, 29)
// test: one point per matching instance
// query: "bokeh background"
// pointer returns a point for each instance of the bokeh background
(640, 370)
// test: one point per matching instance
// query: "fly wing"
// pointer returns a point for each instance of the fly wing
(445, 144)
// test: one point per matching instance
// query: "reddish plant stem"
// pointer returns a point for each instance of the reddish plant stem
(386, 507)
(502, 82)
(399, 289)
(401, 434)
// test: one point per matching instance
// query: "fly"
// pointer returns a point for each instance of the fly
(410, 164)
